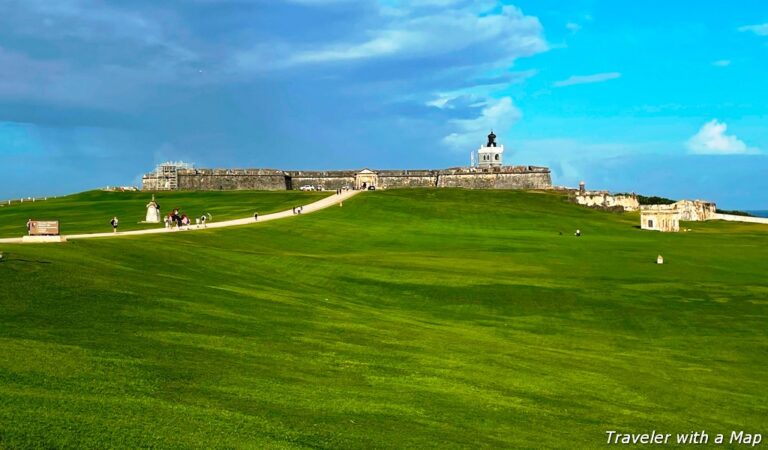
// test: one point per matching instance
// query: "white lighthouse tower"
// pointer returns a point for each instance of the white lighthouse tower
(491, 154)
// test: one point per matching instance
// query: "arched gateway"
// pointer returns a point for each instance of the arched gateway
(365, 179)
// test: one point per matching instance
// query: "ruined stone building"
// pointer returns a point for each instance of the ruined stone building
(604, 199)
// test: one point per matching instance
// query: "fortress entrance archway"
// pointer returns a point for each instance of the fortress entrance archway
(366, 178)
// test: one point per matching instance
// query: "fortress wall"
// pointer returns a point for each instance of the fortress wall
(321, 173)
(507, 177)
(326, 183)
(407, 173)
(325, 179)
(231, 180)
(407, 181)
(734, 218)
(496, 180)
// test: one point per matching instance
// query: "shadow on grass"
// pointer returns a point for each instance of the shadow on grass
(4, 258)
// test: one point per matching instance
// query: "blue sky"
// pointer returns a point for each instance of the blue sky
(665, 98)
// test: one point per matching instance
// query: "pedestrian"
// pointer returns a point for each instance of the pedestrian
(203, 218)
(197, 222)
(294, 210)
(114, 224)
(255, 216)
(578, 233)
(29, 226)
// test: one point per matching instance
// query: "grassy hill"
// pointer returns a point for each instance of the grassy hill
(90, 212)
(407, 318)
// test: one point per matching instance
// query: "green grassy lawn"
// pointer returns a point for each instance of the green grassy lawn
(406, 319)
(90, 212)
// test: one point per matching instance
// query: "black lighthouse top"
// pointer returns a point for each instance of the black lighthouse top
(491, 140)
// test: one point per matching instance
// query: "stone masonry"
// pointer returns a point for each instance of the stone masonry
(504, 177)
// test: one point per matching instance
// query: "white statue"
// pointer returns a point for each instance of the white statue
(153, 211)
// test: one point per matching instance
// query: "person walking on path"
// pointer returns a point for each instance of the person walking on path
(255, 216)
(114, 222)
(29, 227)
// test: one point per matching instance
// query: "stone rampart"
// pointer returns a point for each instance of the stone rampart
(496, 180)
(321, 183)
(231, 180)
(393, 179)
(506, 177)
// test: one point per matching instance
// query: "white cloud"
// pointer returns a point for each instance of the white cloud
(497, 115)
(586, 79)
(573, 27)
(722, 63)
(760, 30)
(510, 32)
(712, 140)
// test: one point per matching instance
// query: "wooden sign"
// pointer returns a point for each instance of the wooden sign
(44, 228)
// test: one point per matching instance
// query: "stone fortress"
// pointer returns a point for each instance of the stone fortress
(488, 173)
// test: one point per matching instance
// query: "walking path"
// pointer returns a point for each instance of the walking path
(333, 200)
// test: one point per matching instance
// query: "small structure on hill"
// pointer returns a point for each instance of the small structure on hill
(153, 211)
(660, 218)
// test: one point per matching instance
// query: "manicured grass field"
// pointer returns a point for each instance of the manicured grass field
(90, 212)
(406, 319)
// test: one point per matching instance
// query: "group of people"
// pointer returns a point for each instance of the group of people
(298, 209)
(178, 220)
(173, 219)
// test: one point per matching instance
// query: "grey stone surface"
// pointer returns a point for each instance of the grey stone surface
(505, 177)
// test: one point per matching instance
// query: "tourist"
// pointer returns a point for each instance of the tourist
(197, 222)
(29, 226)
(203, 219)
(167, 221)
(255, 216)
(114, 224)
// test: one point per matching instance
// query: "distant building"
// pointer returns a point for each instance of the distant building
(604, 199)
(491, 154)
(660, 218)
(696, 210)
(165, 177)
